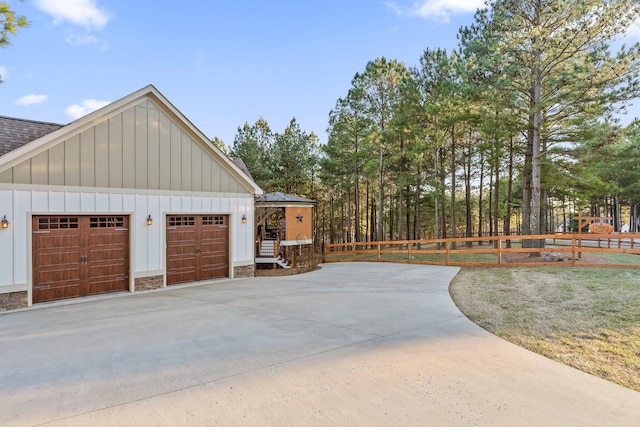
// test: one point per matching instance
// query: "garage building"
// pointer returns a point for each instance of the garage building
(130, 197)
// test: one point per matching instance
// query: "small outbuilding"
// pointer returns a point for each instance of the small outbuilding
(128, 198)
(284, 229)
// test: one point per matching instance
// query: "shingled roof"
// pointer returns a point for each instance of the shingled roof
(278, 197)
(15, 133)
(242, 166)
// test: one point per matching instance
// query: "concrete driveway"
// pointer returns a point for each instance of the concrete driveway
(351, 344)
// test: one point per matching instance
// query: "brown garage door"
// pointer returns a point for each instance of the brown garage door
(197, 248)
(75, 256)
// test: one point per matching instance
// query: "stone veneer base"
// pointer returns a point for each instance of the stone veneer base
(244, 271)
(148, 283)
(13, 300)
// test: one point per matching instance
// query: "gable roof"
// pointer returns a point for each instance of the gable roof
(242, 165)
(62, 134)
(15, 133)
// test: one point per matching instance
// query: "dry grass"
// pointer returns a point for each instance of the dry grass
(588, 318)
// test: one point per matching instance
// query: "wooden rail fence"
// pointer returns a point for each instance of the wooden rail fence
(619, 250)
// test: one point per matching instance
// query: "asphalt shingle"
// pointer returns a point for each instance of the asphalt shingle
(15, 133)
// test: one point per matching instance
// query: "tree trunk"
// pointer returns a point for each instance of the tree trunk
(367, 217)
(491, 192)
(380, 196)
(408, 213)
(526, 190)
(496, 197)
(616, 216)
(443, 213)
(480, 190)
(357, 196)
(343, 237)
(467, 193)
(507, 218)
(400, 224)
(417, 229)
(536, 190)
(437, 196)
(453, 184)
(349, 215)
(332, 236)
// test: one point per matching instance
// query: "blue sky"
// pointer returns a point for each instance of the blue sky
(222, 63)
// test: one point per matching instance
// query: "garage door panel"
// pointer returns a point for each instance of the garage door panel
(117, 238)
(176, 277)
(68, 290)
(56, 240)
(79, 256)
(61, 257)
(108, 253)
(48, 276)
(99, 271)
(182, 249)
(107, 284)
(197, 248)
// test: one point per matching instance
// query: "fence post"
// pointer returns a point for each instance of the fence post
(446, 253)
(353, 251)
(378, 251)
(499, 251)
(409, 251)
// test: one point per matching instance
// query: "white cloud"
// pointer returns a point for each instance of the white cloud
(441, 10)
(85, 13)
(31, 100)
(3, 72)
(87, 106)
(75, 39)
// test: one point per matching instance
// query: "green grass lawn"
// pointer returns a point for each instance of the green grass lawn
(588, 318)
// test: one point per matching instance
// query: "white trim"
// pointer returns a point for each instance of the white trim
(231, 240)
(29, 256)
(18, 287)
(284, 205)
(110, 190)
(244, 263)
(296, 242)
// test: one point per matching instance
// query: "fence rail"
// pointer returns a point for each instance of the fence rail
(605, 250)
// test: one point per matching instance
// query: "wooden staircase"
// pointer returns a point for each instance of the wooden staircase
(268, 254)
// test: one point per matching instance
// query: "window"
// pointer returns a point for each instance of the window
(214, 220)
(106, 222)
(57, 223)
(177, 221)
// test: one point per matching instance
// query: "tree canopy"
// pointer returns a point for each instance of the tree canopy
(515, 130)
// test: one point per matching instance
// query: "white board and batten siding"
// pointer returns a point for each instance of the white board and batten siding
(147, 242)
(138, 156)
